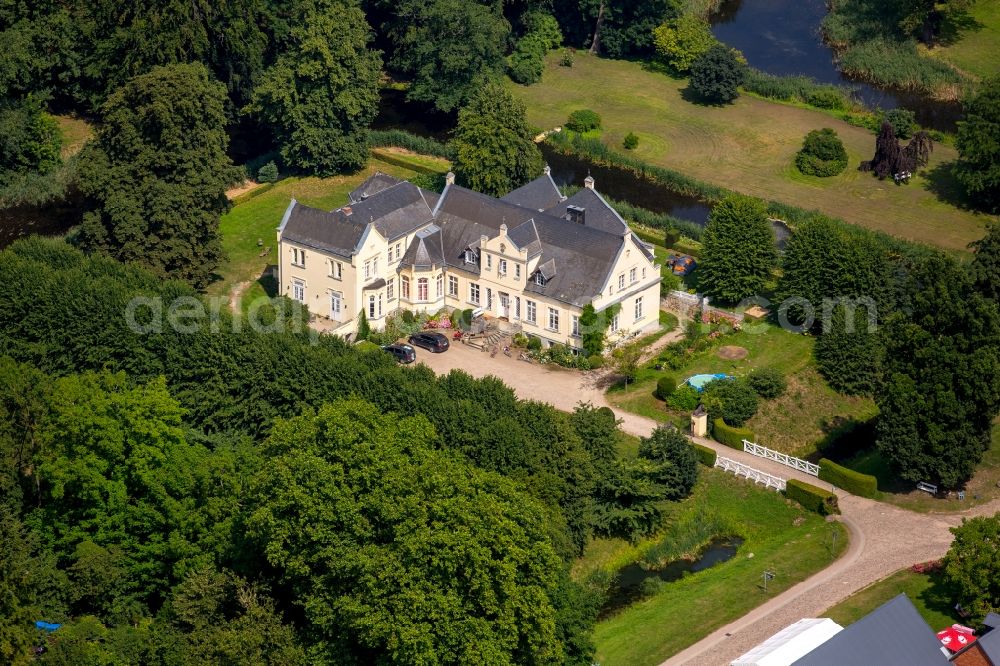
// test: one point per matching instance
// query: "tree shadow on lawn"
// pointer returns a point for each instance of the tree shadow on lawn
(689, 94)
(942, 182)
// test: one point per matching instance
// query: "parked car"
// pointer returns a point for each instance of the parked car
(431, 341)
(403, 353)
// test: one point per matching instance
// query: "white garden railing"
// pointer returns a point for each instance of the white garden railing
(755, 475)
(783, 458)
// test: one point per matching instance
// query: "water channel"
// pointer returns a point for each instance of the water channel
(628, 583)
(782, 37)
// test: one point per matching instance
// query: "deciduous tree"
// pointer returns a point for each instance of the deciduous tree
(972, 565)
(156, 176)
(978, 143)
(739, 253)
(717, 74)
(494, 150)
(676, 462)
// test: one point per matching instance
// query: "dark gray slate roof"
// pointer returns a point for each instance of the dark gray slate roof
(893, 634)
(426, 250)
(539, 194)
(395, 211)
(526, 238)
(335, 232)
(375, 184)
(598, 213)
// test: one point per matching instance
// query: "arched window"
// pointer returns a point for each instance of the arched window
(404, 286)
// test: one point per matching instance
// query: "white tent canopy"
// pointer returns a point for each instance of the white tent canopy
(791, 643)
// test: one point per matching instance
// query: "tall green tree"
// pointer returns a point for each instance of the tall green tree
(397, 552)
(717, 74)
(156, 176)
(676, 463)
(494, 150)
(986, 264)
(321, 94)
(978, 143)
(972, 565)
(29, 139)
(940, 392)
(739, 252)
(849, 352)
(614, 28)
(449, 48)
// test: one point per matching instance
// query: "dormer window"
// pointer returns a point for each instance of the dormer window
(539, 279)
(470, 256)
(575, 214)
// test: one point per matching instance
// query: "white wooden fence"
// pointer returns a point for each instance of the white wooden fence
(783, 458)
(755, 475)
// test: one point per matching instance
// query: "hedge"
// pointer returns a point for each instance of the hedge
(853, 482)
(811, 497)
(706, 455)
(729, 435)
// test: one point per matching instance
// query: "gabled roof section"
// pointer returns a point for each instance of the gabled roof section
(893, 634)
(598, 213)
(526, 238)
(394, 211)
(539, 194)
(334, 232)
(373, 185)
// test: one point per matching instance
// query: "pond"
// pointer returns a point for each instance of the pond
(782, 37)
(628, 584)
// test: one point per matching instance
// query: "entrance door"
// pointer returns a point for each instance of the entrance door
(335, 306)
(503, 309)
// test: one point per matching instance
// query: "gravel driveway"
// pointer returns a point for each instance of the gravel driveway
(884, 538)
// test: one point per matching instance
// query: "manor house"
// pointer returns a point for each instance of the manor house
(533, 258)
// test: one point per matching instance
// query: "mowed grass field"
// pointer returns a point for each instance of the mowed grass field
(778, 535)
(976, 50)
(257, 214)
(749, 147)
(928, 591)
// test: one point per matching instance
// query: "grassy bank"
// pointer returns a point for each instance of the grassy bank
(749, 147)
(928, 592)
(795, 423)
(779, 534)
(258, 216)
(972, 42)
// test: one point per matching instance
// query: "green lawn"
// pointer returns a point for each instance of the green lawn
(928, 592)
(977, 47)
(258, 214)
(794, 423)
(779, 534)
(748, 146)
(75, 133)
(980, 489)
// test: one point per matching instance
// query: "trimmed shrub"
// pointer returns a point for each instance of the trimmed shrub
(670, 237)
(822, 154)
(706, 456)
(665, 386)
(731, 399)
(583, 120)
(853, 482)
(268, 173)
(730, 436)
(407, 317)
(596, 361)
(631, 141)
(568, 57)
(717, 74)
(685, 399)
(768, 383)
(534, 343)
(812, 497)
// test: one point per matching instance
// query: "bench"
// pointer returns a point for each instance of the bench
(927, 487)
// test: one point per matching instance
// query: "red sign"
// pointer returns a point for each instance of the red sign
(956, 637)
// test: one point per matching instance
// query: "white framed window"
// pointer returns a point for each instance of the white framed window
(298, 257)
(404, 287)
(615, 323)
(299, 291)
(335, 305)
(553, 319)
(390, 290)
(452, 285)
(643, 272)
(375, 266)
(517, 307)
(421, 289)
(502, 266)
(371, 306)
(531, 312)
(489, 298)
(368, 269)
(621, 282)
(380, 305)
(632, 276)
(336, 269)
(397, 248)
(439, 286)
(489, 261)
(470, 256)
(638, 308)
(517, 271)
(539, 279)
(474, 293)
(574, 324)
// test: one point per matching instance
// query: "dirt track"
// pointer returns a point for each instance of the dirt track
(884, 538)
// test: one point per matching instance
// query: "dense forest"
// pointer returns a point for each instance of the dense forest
(215, 493)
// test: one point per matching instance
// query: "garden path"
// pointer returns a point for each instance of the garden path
(884, 538)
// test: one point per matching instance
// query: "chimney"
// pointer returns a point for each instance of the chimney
(588, 182)
(547, 170)
(449, 179)
(347, 210)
